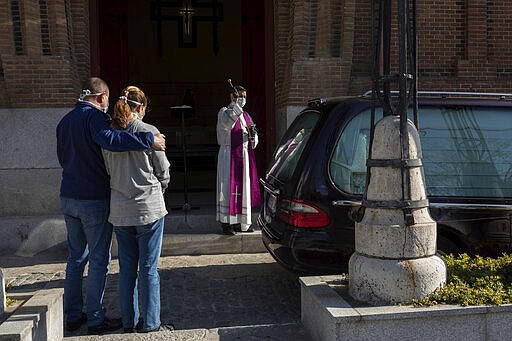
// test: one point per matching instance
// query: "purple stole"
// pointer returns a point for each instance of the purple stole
(236, 187)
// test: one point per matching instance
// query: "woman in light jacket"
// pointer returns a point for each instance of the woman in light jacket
(137, 210)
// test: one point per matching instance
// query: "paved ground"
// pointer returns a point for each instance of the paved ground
(207, 297)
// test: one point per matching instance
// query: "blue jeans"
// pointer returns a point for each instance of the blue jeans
(89, 240)
(140, 246)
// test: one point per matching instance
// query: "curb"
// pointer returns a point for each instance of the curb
(174, 244)
(288, 331)
(39, 318)
(210, 244)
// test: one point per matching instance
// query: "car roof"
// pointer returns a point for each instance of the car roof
(426, 98)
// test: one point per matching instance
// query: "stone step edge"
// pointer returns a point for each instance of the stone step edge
(28, 236)
(39, 318)
(208, 244)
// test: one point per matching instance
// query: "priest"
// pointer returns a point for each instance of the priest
(237, 178)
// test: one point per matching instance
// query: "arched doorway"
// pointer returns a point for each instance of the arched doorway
(167, 47)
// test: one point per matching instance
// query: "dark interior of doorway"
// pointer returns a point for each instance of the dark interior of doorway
(110, 61)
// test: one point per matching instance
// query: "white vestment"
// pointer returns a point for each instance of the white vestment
(226, 120)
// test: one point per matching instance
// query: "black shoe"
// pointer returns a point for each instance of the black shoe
(163, 327)
(249, 230)
(108, 325)
(139, 326)
(71, 326)
(228, 229)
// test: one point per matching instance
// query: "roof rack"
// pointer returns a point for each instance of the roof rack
(316, 102)
(445, 94)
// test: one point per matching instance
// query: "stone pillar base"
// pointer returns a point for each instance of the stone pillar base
(391, 281)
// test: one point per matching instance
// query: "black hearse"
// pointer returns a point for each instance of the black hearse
(315, 180)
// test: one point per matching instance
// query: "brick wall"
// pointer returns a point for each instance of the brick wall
(361, 63)
(322, 48)
(44, 52)
(464, 45)
(40, 81)
(79, 13)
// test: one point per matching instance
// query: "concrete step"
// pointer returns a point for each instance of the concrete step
(38, 316)
(186, 232)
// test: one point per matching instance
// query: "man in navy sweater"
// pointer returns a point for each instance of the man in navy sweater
(85, 196)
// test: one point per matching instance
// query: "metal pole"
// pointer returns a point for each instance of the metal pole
(405, 80)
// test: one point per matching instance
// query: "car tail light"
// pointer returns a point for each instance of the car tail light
(302, 214)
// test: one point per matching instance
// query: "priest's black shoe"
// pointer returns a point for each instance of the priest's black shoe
(238, 228)
(108, 325)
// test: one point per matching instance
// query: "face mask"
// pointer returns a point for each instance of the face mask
(106, 108)
(241, 101)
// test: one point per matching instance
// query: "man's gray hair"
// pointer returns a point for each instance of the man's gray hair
(93, 86)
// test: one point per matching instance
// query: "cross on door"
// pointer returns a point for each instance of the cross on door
(187, 13)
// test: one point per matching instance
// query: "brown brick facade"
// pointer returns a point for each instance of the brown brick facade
(313, 49)
(463, 46)
(44, 52)
(322, 48)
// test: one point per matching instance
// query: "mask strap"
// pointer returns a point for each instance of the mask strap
(87, 93)
(126, 100)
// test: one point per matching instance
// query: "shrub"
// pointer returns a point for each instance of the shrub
(9, 301)
(473, 281)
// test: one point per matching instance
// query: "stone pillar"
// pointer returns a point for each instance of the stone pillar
(395, 260)
(3, 300)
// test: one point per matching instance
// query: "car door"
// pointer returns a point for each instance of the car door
(466, 156)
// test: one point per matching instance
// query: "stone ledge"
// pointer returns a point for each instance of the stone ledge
(328, 316)
(30, 235)
(39, 318)
(211, 244)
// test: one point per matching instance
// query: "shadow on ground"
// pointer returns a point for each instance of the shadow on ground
(229, 295)
(53, 255)
(234, 294)
(223, 296)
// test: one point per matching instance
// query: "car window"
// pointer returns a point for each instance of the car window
(291, 146)
(466, 152)
(348, 162)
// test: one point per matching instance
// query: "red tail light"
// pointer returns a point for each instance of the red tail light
(302, 214)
